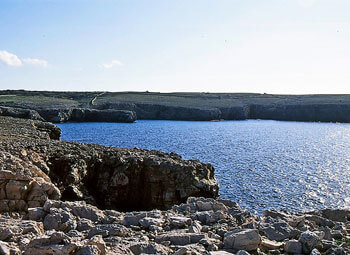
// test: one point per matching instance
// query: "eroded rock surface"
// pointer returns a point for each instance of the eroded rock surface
(60, 227)
(36, 167)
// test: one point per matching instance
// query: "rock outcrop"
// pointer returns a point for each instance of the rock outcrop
(87, 115)
(164, 112)
(20, 113)
(32, 161)
(282, 111)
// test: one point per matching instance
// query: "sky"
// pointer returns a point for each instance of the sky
(262, 46)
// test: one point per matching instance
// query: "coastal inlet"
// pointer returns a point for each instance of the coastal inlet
(259, 163)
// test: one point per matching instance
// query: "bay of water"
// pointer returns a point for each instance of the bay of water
(260, 164)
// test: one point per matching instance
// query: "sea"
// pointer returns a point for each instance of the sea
(261, 164)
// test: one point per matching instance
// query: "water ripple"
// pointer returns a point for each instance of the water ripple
(261, 164)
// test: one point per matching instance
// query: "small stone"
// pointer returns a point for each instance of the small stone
(293, 246)
(315, 252)
(269, 244)
(148, 221)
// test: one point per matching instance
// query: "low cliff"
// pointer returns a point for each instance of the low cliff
(20, 113)
(165, 112)
(287, 112)
(127, 106)
(36, 166)
(58, 115)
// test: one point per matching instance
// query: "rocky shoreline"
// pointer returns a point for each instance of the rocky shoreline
(128, 106)
(68, 198)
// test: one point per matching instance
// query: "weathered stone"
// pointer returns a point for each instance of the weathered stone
(315, 252)
(7, 249)
(79, 209)
(60, 220)
(99, 243)
(340, 215)
(180, 238)
(84, 224)
(242, 239)
(109, 230)
(242, 252)
(309, 241)
(269, 244)
(179, 221)
(320, 221)
(277, 230)
(12, 229)
(220, 253)
(57, 243)
(88, 250)
(148, 221)
(293, 246)
(195, 227)
(36, 213)
(149, 248)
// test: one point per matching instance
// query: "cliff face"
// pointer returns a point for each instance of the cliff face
(87, 115)
(164, 112)
(303, 112)
(288, 112)
(35, 166)
(20, 113)
(59, 114)
(127, 106)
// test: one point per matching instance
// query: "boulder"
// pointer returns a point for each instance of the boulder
(340, 215)
(309, 241)
(293, 246)
(179, 221)
(242, 239)
(277, 230)
(149, 221)
(149, 248)
(180, 238)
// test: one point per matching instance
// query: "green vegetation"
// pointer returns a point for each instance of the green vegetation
(69, 99)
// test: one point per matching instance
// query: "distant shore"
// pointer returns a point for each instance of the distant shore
(129, 106)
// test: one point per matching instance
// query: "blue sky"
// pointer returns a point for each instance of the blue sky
(272, 46)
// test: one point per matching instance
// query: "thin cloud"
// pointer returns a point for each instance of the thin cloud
(36, 62)
(111, 64)
(13, 60)
(10, 59)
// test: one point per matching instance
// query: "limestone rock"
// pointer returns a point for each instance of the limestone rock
(149, 248)
(180, 238)
(293, 246)
(309, 241)
(277, 230)
(242, 239)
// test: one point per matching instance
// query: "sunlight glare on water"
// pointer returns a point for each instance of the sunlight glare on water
(259, 163)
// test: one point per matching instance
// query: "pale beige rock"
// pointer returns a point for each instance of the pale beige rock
(242, 239)
(270, 244)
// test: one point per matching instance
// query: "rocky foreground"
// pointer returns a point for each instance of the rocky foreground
(113, 194)
(199, 226)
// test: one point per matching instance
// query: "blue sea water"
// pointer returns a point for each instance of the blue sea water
(259, 163)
